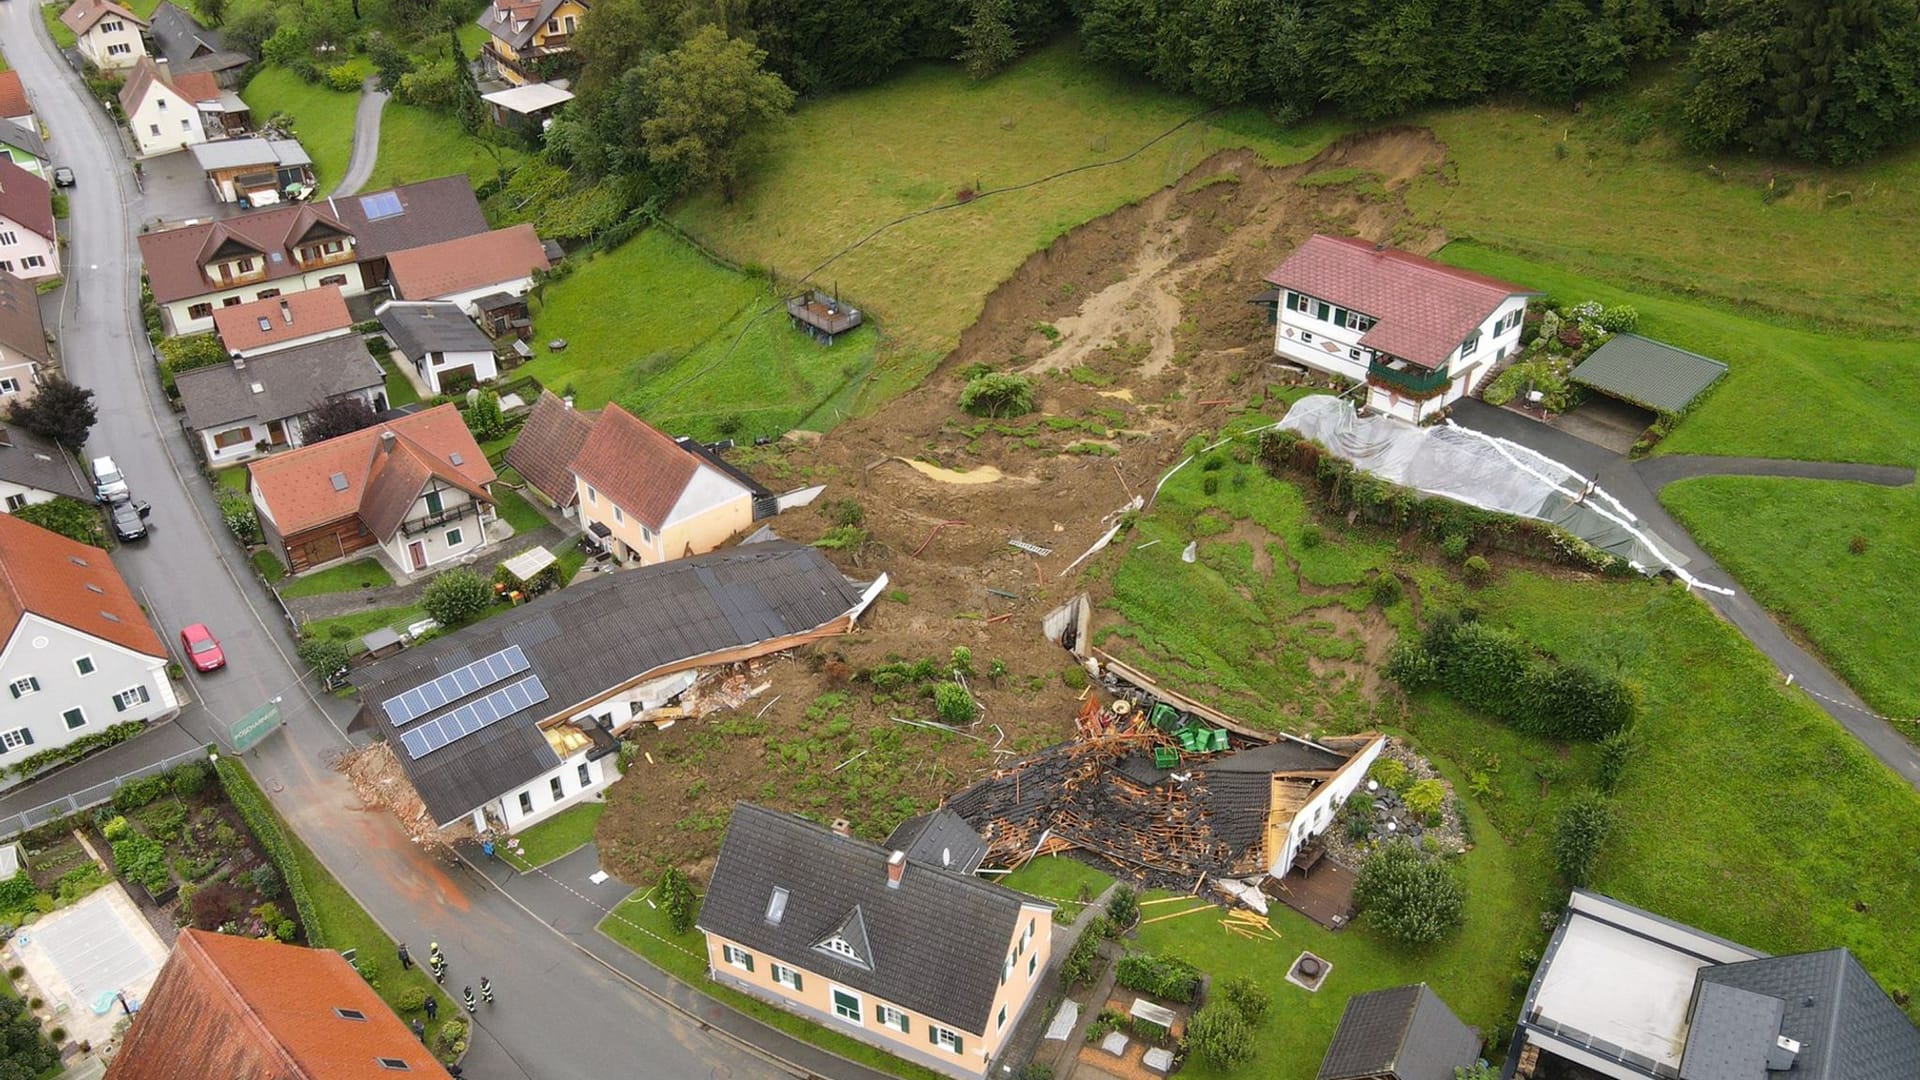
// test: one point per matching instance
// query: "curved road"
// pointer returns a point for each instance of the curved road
(561, 1014)
(366, 138)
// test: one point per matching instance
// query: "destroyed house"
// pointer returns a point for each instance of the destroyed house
(1244, 814)
(514, 718)
(933, 966)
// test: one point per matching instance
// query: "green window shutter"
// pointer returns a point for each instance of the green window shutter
(748, 957)
(119, 703)
(905, 1023)
(797, 981)
(933, 1035)
(879, 1015)
(26, 735)
(957, 1044)
(1339, 316)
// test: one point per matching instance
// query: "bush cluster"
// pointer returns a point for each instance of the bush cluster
(1077, 967)
(1498, 673)
(998, 395)
(456, 596)
(1165, 977)
(253, 809)
(1579, 833)
(1409, 895)
(240, 517)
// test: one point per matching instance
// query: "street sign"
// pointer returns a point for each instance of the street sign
(256, 725)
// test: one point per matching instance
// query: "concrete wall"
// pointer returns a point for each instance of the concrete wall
(48, 652)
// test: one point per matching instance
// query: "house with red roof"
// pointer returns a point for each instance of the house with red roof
(14, 105)
(108, 35)
(231, 1006)
(168, 112)
(418, 489)
(282, 322)
(1421, 335)
(651, 498)
(77, 654)
(463, 270)
(29, 244)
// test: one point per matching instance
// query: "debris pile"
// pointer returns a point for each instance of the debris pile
(379, 781)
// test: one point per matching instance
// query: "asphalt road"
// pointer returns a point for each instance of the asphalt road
(561, 1013)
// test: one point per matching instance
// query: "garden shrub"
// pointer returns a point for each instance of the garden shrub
(344, 78)
(1618, 319)
(1123, 910)
(1078, 966)
(165, 820)
(16, 893)
(1385, 588)
(1408, 895)
(1074, 678)
(239, 515)
(1391, 772)
(1500, 674)
(141, 859)
(456, 596)
(411, 999)
(954, 704)
(71, 518)
(1476, 570)
(251, 805)
(1250, 999)
(324, 655)
(1578, 834)
(1616, 750)
(1426, 797)
(1165, 977)
(676, 896)
(116, 828)
(1220, 1036)
(189, 779)
(1311, 537)
(135, 794)
(266, 881)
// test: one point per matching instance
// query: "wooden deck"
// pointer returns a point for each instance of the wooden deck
(823, 314)
(1325, 895)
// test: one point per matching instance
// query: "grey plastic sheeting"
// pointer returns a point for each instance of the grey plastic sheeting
(1481, 471)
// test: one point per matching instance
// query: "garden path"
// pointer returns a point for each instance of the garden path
(366, 137)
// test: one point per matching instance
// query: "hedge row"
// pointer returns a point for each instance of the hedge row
(1345, 489)
(1499, 673)
(1161, 976)
(77, 749)
(251, 802)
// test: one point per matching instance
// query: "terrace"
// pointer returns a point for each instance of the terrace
(1407, 379)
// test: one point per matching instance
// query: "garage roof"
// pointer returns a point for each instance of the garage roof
(1648, 372)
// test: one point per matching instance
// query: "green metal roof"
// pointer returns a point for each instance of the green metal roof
(1647, 372)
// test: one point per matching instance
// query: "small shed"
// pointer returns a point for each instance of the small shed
(526, 108)
(1648, 373)
(502, 314)
(1406, 1033)
(820, 316)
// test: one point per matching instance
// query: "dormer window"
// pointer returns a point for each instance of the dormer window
(838, 944)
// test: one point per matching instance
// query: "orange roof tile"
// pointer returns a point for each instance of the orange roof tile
(299, 489)
(549, 442)
(197, 86)
(293, 315)
(84, 13)
(70, 583)
(632, 463)
(13, 95)
(227, 1006)
(452, 266)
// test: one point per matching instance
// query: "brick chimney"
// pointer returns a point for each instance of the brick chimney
(842, 827)
(896, 868)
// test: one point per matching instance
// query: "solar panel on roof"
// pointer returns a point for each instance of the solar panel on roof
(384, 204)
(410, 705)
(474, 715)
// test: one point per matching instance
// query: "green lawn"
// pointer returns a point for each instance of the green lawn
(323, 118)
(269, 565)
(1062, 880)
(1790, 543)
(421, 144)
(554, 837)
(1826, 245)
(1748, 813)
(63, 37)
(1788, 392)
(344, 924)
(517, 512)
(233, 476)
(400, 390)
(848, 163)
(353, 627)
(644, 929)
(358, 574)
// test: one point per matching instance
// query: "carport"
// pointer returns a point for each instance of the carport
(1634, 380)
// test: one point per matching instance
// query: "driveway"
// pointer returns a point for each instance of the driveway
(177, 191)
(1635, 484)
(561, 1014)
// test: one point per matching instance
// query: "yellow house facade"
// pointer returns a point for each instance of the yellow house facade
(930, 965)
(524, 32)
(649, 498)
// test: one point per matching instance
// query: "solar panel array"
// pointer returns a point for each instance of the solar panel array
(473, 716)
(415, 703)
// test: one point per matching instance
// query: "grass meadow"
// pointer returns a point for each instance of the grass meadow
(1746, 812)
(322, 118)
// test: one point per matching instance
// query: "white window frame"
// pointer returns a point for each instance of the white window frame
(1000, 1024)
(1468, 346)
(592, 495)
(787, 977)
(892, 1018)
(67, 718)
(14, 739)
(24, 685)
(87, 660)
(1033, 962)
(585, 775)
(556, 787)
(858, 1019)
(9, 238)
(946, 1040)
(526, 802)
(736, 957)
(16, 502)
(33, 262)
(1302, 303)
(619, 518)
(126, 699)
(455, 538)
(1306, 337)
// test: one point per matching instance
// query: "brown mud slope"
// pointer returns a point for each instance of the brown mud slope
(1137, 331)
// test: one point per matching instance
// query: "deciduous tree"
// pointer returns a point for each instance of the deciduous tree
(60, 411)
(708, 98)
(335, 417)
(1409, 895)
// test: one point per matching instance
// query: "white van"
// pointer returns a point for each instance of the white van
(108, 482)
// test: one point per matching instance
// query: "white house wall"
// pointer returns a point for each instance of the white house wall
(47, 651)
(184, 324)
(708, 489)
(27, 244)
(539, 792)
(13, 496)
(290, 343)
(1313, 818)
(436, 543)
(516, 287)
(176, 119)
(97, 43)
(431, 365)
(1318, 343)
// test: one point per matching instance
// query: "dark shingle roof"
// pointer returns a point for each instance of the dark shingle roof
(592, 636)
(431, 211)
(31, 461)
(938, 943)
(1729, 1034)
(1847, 1026)
(21, 137)
(942, 838)
(189, 47)
(292, 382)
(549, 441)
(498, 18)
(1647, 372)
(421, 328)
(1407, 1033)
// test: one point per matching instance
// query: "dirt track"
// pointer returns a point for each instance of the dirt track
(1138, 333)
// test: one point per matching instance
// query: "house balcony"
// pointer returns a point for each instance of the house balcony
(229, 281)
(416, 526)
(501, 61)
(321, 261)
(1409, 381)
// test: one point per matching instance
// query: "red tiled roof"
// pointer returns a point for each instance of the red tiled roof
(173, 256)
(228, 1006)
(1423, 309)
(549, 442)
(641, 470)
(294, 315)
(13, 95)
(84, 13)
(298, 485)
(453, 266)
(196, 86)
(69, 583)
(25, 199)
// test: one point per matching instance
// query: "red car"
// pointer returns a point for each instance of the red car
(202, 648)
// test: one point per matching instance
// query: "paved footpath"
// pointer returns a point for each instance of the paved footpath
(366, 138)
(1635, 484)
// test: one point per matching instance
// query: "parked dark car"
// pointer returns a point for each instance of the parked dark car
(63, 177)
(129, 518)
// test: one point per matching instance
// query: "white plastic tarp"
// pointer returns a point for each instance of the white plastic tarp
(1480, 470)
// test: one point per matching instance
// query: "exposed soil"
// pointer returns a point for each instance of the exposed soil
(1138, 333)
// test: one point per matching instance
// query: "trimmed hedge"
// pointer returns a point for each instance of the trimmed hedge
(1500, 674)
(251, 802)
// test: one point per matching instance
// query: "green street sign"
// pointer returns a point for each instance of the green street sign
(256, 725)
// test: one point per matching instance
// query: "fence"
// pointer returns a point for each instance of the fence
(87, 798)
